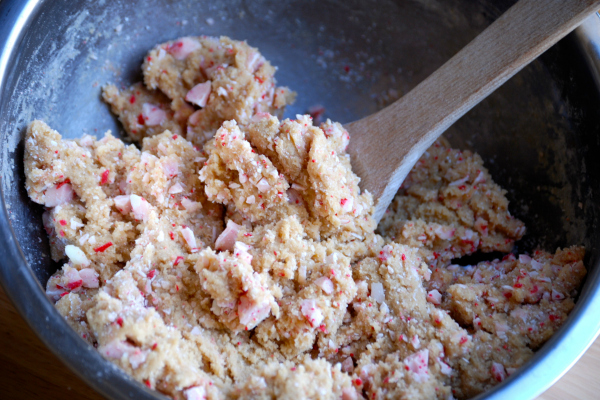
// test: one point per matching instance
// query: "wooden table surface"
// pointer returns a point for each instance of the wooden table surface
(30, 371)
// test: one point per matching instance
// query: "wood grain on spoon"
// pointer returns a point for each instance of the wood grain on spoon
(385, 146)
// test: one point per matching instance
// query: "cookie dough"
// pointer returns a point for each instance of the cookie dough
(194, 84)
(233, 255)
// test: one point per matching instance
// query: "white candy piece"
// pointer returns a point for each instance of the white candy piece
(196, 331)
(434, 297)
(76, 255)
(556, 295)
(221, 91)
(385, 253)
(89, 278)
(86, 141)
(445, 368)
(53, 292)
(349, 394)
(415, 341)
(377, 292)
(115, 349)
(140, 207)
(480, 178)
(536, 264)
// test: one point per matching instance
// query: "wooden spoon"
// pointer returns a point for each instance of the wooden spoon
(385, 146)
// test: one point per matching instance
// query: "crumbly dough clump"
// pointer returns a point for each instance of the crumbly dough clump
(247, 265)
(449, 207)
(194, 84)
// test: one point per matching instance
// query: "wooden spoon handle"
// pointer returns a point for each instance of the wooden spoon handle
(385, 146)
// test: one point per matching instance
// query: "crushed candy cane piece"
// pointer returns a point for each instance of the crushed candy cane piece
(347, 204)
(195, 393)
(176, 188)
(254, 61)
(445, 368)
(444, 232)
(72, 277)
(459, 181)
(498, 371)
(190, 239)
(263, 185)
(312, 312)
(76, 255)
(348, 365)
(140, 207)
(153, 115)
(58, 194)
(89, 278)
(240, 249)
(199, 94)
(182, 48)
(524, 259)
(418, 364)
(191, 206)
(195, 118)
(102, 248)
(251, 313)
(228, 237)
(377, 292)
(434, 297)
(259, 116)
(137, 358)
(556, 295)
(325, 284)
(123, 204)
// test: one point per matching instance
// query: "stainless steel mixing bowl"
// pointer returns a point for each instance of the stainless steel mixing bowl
(539, 133)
